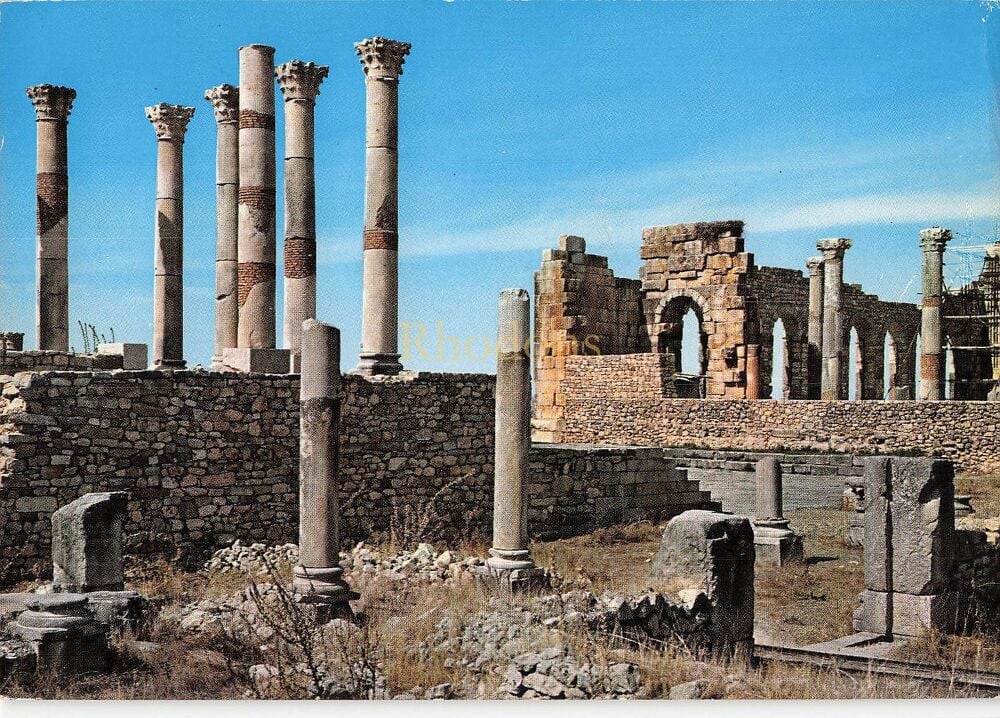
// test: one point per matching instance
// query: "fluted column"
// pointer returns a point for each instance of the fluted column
(815, 333)
(225, 101)
(170, 123)
(299, 82)
(382, 60)
(932, 243)
(256, 199)
(318, 571)
(52, 108)
(833, 335)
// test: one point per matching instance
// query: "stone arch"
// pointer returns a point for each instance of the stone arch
(667, 331)
(868, 360)
(794, 355)
(902, 361)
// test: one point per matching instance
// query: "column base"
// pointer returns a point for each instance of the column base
(379, 364)
(168, 364)
(511, 570)
(323, 594)
(775, 543)
(256, 361)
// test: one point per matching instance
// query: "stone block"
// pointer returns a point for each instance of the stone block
(87, 543)
(776, 545)
(134, 356)
(257, 361)
(909, 533)
(714, 553)
(903, 614)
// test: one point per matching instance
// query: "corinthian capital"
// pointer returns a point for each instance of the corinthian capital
(52, 102)
(225, 101)
(833, 248)
(381, 57)
(169, 121)
(933, 239)
(300, 80)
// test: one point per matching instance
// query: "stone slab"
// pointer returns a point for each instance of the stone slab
(257, 361)
(135, 357)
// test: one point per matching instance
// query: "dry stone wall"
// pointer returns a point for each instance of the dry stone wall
(610, 407)
(208, 458)
(12, 362)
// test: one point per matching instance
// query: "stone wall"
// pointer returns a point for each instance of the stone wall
(13, 362)
(617, 408)
(208, 458)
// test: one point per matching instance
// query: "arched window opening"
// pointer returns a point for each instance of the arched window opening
(779, 360)
(854, 366)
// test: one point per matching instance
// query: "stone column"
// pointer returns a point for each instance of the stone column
(753, 371)
(382, 60)
(225, 101)
(932, 242)
(318, 572)
(299, 82)
(256, 198)
(776, 543)
(170, 123)
(815, 336)
(833, 335)
(510, 559)
(52, 108)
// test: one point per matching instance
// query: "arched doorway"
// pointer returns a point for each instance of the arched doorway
(779, 360)
(682, 336)
(890, 370)
(855, 366)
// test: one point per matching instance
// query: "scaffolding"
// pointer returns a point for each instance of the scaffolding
(972, 315)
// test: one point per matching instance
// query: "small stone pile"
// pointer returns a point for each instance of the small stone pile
(424, 563)
(363, 681)
(554, 673)
(257, 559)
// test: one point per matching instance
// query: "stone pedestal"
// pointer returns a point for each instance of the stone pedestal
(318, 577)
(225, 101)
(52, 108)
(170, 123)
(382, 60)
(256, 226)
(63, 633)
(932, 373)
(299, 82)
(256, 361)
(134, 356)
(834, 352)
(509, 560)
(87, 543)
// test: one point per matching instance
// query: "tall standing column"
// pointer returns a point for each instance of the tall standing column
(382, 60)
(509, 557)
(815, 335)
(833, 332)
(52, 107)
(256, 198)
(299, 82)
(170, 123)
(225, 101)
(318, 571)
(932, 242)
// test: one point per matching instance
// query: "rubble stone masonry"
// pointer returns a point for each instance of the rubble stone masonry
(605, 404)
(209, 457)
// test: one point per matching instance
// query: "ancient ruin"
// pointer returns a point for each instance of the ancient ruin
(305, 527)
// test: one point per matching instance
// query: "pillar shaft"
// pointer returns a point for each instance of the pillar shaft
(513, 432)
(299, 82)
(815, 332)
(318, 570)
(833, 334)
(52, 108)
(382, 60)
(257, 249)
(225, 102)
(932, 243)
(170, 123)
(753, 371)
(768, 478)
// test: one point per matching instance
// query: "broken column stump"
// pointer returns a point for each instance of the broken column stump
(713, 553)
(776, 544)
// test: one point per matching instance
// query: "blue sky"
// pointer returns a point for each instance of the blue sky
(518, 122)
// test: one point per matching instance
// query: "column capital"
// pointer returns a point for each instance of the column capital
(52, 102)
(814, 265)
(382, 57)
(834, 247)
(300, 80)
(169, 121)
(933, 239)
(225, 101)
